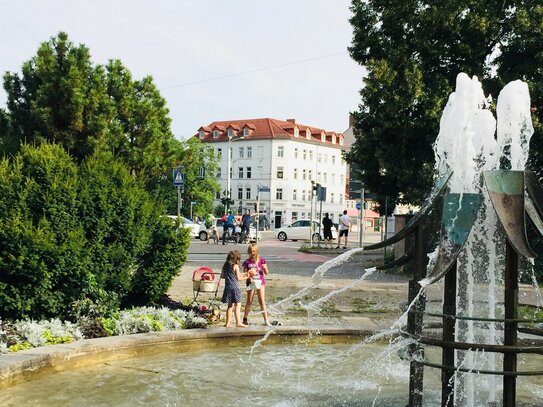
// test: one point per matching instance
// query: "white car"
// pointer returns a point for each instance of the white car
(187, 223)
(299, 230)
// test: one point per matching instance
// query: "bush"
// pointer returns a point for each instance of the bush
(75, 240)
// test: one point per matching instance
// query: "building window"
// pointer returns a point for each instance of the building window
(294, 194)
(219, 153)
(303, 194)
(305, 154)
(340, 198)
(341, 141)
(279, 172)
(280, 152)
(248, 193)
(319, 176)
(294, 216)
(309, 175)
(231, 172)
(241, 152)
(245, 132)
(230, 133)
(295, 153)
(342, 177)
(323, 137)
(332, 197)
(319, 157)
(215, 133)
(240, 193)
(333, 159)
(240, 172)
(310, 155)
(304, 174)
(279, 194)
(333, 139)
(296, 132)
(308, 134)
(217, 195)
(249, 152)
(248, 172)
(201, 134)
(219, 172)
(295, 173)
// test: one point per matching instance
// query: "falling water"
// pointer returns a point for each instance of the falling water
(467, 145)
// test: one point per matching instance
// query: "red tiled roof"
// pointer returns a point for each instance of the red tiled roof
(267, 128)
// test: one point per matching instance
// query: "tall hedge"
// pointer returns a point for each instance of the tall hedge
(72, 233)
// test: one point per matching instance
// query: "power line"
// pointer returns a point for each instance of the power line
(253, 71)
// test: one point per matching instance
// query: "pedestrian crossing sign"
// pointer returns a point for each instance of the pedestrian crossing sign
(178, 178)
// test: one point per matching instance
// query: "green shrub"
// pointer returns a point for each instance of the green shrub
(82, 239)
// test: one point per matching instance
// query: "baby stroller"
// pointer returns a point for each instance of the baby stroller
(205, 280)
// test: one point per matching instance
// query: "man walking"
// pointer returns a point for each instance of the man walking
(344, 227)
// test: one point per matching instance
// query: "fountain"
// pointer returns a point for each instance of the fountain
(482, 236)
(473, 226)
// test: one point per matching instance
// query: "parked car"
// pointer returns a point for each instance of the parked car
(202, 232)
(299, 230)
(187, 223)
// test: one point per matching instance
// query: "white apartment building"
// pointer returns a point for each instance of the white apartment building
(284, 156)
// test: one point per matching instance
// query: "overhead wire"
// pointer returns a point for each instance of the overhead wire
(253, 71)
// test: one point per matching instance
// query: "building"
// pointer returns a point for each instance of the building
(284, 156)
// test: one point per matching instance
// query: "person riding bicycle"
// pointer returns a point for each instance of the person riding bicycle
(246, 222)
(228, 224)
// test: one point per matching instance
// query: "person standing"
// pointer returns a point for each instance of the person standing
(344, 227)
(246, 222)
(232, 294)
(327, 225)
(257, 266)
(228, 224)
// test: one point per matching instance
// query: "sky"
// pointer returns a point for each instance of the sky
(211, 60)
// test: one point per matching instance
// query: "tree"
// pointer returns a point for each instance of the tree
(413, 51)
(62, 97)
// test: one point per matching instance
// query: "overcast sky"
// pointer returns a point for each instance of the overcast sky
(278, 58)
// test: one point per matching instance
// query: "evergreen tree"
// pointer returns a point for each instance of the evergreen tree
(413, 51)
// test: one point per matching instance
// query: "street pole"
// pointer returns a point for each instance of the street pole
(362, 220)
(178, 201)
(228, 165)
(257, 210)
(311, 217)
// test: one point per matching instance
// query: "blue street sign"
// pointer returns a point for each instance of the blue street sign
(178, 178)
(263, 189)
(358, 205)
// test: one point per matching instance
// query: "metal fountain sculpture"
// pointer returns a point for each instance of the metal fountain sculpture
(497, 200)
(459, 212)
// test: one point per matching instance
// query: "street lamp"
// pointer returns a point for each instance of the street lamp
(228, 169)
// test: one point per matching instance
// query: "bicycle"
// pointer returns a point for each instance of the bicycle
(228, 236)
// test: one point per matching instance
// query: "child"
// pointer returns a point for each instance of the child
(232, 294)
(256, 266)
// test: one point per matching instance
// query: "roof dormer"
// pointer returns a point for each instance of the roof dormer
(308, 134)
(203, 132)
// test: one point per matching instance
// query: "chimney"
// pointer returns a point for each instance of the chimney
(293, 121)
(351, 120)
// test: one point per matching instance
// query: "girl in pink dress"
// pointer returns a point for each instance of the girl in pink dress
(256, 283)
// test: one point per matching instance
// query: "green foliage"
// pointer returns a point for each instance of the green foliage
(75, 238)
(62, 97)
(413, 51)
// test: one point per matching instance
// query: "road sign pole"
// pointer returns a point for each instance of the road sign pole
(178, 201)
(362, 220)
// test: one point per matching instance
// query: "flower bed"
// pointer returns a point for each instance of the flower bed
(29, 334)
